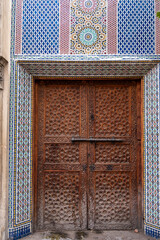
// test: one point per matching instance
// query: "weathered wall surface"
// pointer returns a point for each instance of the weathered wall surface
(5, 25)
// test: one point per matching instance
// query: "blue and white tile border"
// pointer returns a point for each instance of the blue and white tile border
(23, 71)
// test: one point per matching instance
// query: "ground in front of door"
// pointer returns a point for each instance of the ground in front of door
(89, 235)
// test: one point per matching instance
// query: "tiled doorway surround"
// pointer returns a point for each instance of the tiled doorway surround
(20, 179)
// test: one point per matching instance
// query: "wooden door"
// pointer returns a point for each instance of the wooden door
(113, 156)
(61, 176)
(86, 150)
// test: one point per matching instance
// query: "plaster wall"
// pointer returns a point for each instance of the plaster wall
(5, 25)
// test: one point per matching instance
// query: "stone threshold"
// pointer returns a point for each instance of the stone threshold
(88, 235)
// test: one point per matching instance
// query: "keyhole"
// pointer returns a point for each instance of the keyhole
(92, 117)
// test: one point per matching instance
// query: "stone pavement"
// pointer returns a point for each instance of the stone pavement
(89, 235)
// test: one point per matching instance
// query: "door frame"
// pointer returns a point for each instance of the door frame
(140, 123)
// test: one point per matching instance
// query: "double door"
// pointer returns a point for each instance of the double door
(86, 155)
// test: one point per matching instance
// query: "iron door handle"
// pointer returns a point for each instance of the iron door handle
(97, 140)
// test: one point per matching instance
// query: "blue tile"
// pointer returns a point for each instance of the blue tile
(39, 17)
(136, 27)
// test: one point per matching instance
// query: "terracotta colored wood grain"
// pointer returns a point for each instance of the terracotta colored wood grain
(86, 184)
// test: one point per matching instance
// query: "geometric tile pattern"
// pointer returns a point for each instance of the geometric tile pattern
(64, 28)
(18, 36)
(22, 178)
(152, 151)
(152, 231)
(19, 232)
(22, 150)
(114, 58)
(136, 27)
(112, 27)
(20, 211)
(88, 27)
(11, 146)
(40, 27)
(157, 33)
(82, 68)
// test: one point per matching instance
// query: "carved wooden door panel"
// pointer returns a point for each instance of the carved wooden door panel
(113, 156)
(61, 176)
(86, 155)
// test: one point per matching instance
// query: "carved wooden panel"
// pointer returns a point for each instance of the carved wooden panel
(61, 181)
(112, 153)
(112, 200)
(86, 184)
(113, 165)
(62, 199)
(62, 109)
(61, 153)
(112, 108)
